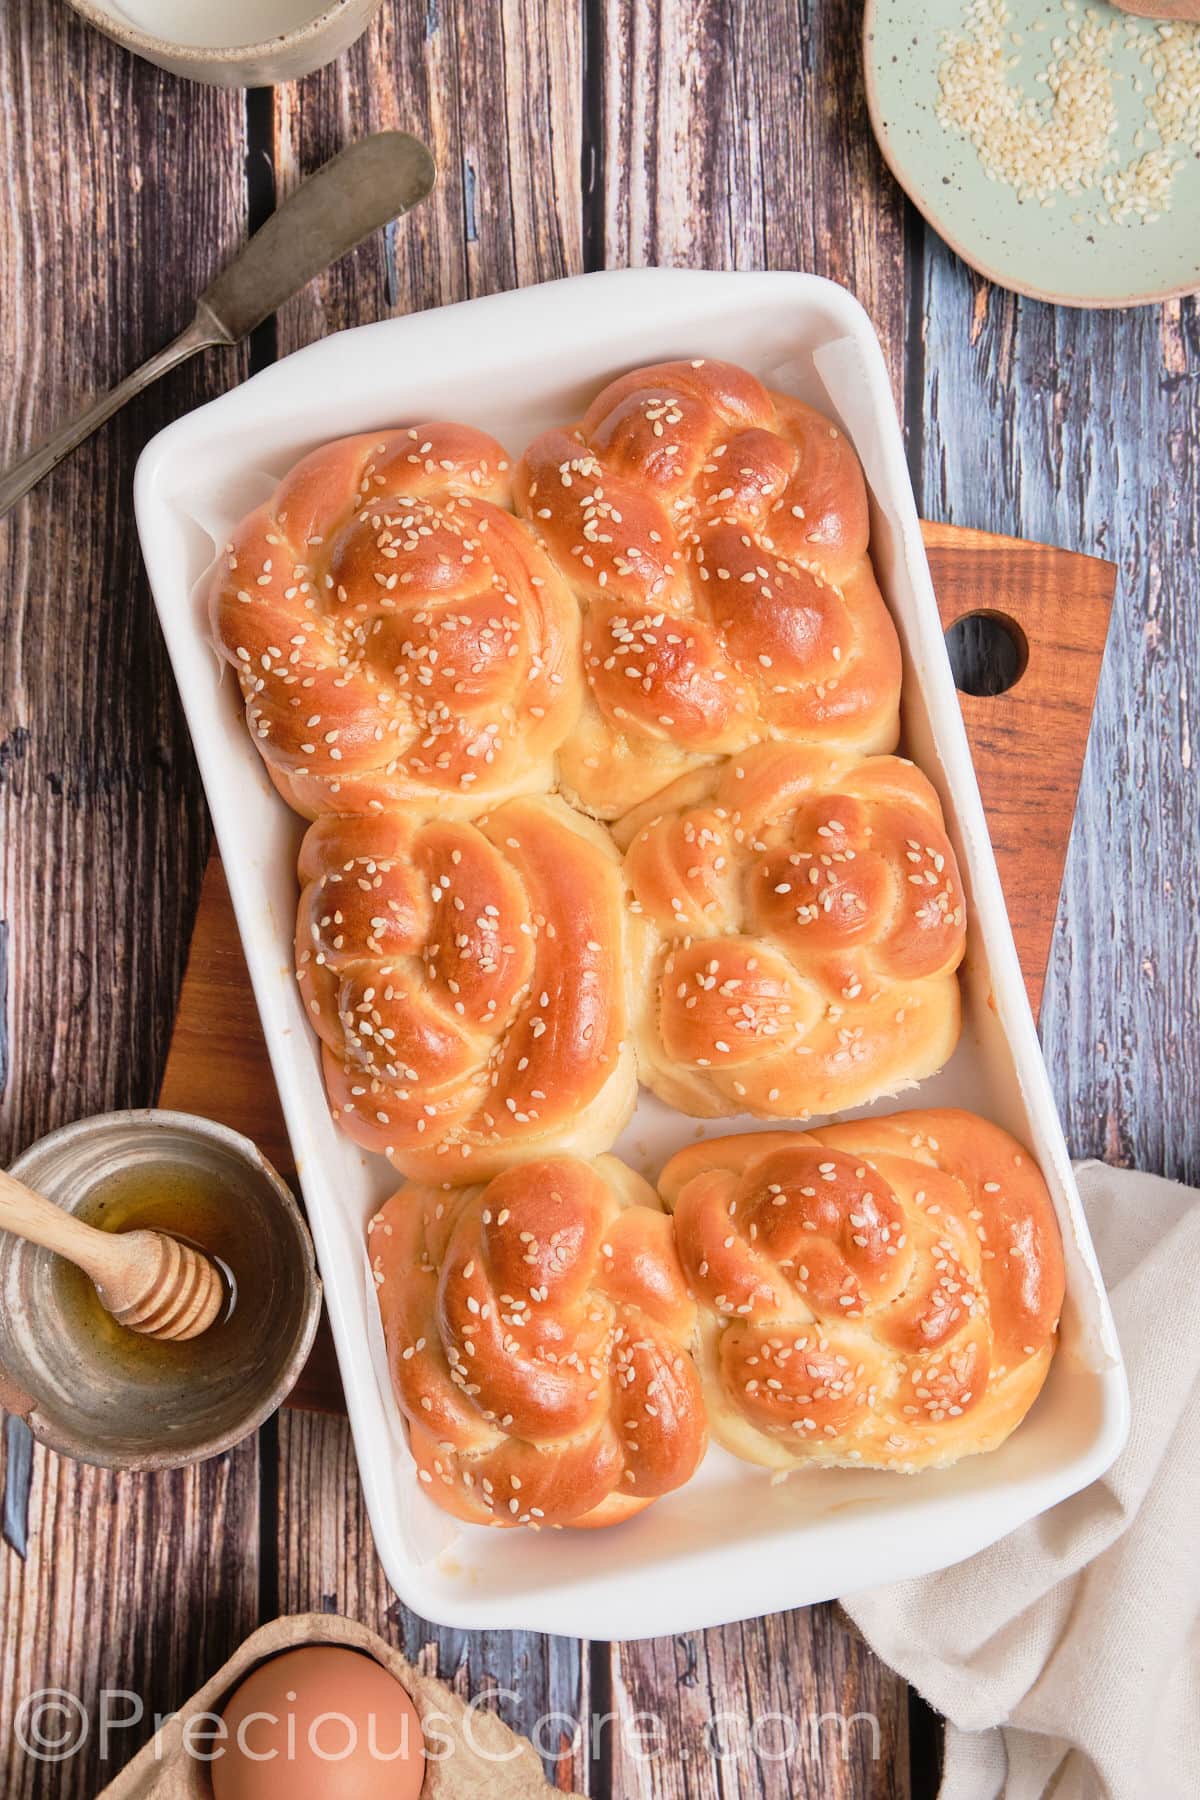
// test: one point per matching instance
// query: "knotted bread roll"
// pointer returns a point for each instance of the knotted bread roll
(801, 923)
(536, 1332)
(882, 1293)
(716, 535)
(397, 633)
(469, 982)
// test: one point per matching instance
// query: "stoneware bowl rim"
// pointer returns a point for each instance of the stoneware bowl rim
(149, 45)
(920, 198)
(66, 1442)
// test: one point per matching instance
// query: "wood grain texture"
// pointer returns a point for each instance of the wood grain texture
(211, 1068)
(717, 132)
(1084, 428)
(496, 93)
(1057, 608)
(218, 1065)
(772, 1706)
(734, 134)
(119, 203)
(138, 1585)
(327, 1563)
(99, 801)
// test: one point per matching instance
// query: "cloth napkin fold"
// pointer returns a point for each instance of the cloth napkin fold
(1066, 1658)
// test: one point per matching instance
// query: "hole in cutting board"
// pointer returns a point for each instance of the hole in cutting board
(989, 653)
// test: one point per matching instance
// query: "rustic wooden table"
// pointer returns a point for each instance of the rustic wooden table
(571, 134)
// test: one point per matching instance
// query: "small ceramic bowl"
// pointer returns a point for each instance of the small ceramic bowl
(89, 1389)
(1081, 246)
(284, 56)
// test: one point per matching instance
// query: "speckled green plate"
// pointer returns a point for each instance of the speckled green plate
(1070, 251)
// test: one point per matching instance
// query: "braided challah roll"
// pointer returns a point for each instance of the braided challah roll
(716, 536)
(469, 983)
(536, 1331)
(883, 1293)
(397, 633)
(802, 920)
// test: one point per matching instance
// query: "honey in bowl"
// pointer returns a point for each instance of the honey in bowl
(107, 1395)
(199, 1208)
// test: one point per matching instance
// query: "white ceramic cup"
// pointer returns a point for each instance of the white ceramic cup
(290, 45)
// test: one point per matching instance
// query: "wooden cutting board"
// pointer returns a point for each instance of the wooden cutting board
(1028, 745)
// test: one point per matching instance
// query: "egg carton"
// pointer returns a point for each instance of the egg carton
(478, 1755)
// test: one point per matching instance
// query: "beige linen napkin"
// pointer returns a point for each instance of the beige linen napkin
(1066, 1658)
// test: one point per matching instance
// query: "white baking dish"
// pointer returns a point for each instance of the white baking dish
(730, 1545)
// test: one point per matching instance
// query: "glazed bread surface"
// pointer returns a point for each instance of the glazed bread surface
(537, 1333)
(396, 631)
(883, 1293)
(801, 922)
(469, 982)
(715, 535)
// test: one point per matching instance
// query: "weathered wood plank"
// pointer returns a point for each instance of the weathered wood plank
(732, 134)
(327, 1563)
(774, 1706)
(1085, 429)
(496, 93)
(138, 1587)
(101, 809)
(123, 191)
(218, 1063)
(1058, 606)
(736, 136)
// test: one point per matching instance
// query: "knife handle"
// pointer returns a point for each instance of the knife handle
(17, 480)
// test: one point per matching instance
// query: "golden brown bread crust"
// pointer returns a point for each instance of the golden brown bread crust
(412, 660)
(716, 536)
(536, 1332)
(397, 633)
(802, 921)
(469, 983)
(883, 1293)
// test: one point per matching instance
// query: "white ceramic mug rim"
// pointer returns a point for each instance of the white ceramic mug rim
(146, 43)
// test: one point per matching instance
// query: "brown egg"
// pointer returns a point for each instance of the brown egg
(321, 1723)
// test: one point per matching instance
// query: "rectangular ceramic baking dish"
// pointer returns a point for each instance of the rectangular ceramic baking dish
(732, 1544)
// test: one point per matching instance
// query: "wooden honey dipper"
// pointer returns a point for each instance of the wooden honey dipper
(147, 1280)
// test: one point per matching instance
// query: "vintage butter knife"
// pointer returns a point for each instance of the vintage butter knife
(369, 184)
